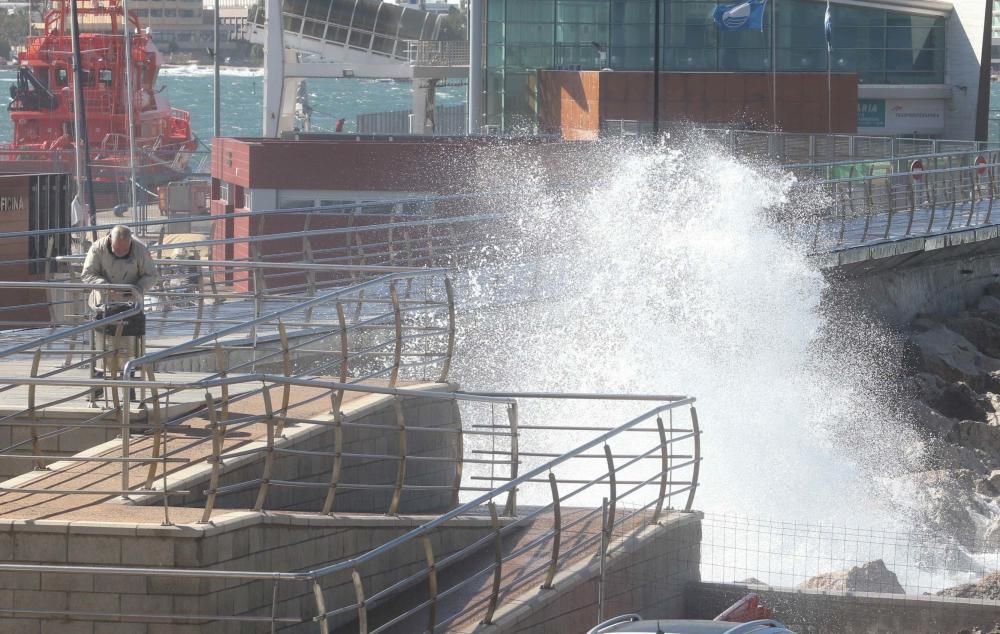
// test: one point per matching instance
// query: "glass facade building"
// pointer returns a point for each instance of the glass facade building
(881, 46)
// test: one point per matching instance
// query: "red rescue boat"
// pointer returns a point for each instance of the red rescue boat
(41, 102)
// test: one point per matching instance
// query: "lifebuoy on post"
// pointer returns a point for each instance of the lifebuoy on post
(917, 170)
(981, 164)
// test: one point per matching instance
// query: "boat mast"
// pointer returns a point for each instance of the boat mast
(83, 179)
(130, 107)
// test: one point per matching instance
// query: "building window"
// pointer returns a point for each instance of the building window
(523, 36)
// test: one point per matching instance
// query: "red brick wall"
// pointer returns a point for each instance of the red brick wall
(719, 98)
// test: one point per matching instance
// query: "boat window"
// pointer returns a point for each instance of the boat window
(106, 76)
(62, 76)
(41, 73)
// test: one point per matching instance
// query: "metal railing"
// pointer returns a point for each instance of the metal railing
(880, 204)
(438, 53)
(639, 480)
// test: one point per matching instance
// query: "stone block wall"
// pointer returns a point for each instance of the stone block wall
(831, 612)
(240, 541)
(370, 428)
(647, 574)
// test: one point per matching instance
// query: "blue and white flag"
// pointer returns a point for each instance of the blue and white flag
(828, 28)
(740, 16)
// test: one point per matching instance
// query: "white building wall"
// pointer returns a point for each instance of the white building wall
(964, 39)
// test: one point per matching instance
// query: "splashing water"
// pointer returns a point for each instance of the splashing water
(665, 273)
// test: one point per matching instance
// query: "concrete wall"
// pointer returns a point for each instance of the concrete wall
(964, 39)
(903, 284)
(825, 612)
(239, 541)
(370, 428)
(647, 574)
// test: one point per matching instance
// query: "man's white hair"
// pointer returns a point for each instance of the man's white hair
(121, 232)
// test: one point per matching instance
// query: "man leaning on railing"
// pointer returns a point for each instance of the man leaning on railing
(118, 258)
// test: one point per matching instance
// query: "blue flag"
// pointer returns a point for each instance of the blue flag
(828, 28)
(740, 16)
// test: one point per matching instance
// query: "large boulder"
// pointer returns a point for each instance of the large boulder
(954, 358)
(983, 334)
(870, 577)
(946, 502)
(976, 435)
(953, 400)
(987, 587)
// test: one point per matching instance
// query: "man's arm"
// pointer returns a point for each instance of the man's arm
(148, 275)
(93, 273)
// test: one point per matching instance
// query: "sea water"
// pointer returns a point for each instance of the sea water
(241, 90)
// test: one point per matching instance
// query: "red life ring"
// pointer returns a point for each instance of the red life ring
(981, 164)
(917, 170)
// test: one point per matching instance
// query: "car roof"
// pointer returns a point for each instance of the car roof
(672, 626)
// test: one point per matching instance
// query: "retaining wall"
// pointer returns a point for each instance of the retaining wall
(828, 612)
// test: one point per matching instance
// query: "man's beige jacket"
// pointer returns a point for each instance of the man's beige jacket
(102, 266)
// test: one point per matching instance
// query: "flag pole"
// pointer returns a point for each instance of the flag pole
(774, 65)
(828, 32)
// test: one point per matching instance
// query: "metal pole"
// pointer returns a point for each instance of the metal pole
(774, 65)
(475, 66)
(130, 107)
(216, 110)
(84, 184)
(656, 68)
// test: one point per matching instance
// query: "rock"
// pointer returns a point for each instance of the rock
(925, 417)
(992, 290)
(946, 502)
(983, 334)
(954, 358)
(995, 479)
(989, 307)
(992, 535)
(954, 400)
(985, 487)
(986, 588)
(977, 435)
(870, 577)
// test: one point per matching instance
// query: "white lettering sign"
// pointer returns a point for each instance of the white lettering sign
(11, 203)
(914, 115)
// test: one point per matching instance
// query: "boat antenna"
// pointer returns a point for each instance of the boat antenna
(84, 182)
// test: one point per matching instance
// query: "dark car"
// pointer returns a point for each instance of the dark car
(634, 623)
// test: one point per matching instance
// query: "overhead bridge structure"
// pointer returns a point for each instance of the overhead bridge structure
(351, 38)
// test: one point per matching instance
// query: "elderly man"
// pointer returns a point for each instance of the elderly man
(118, 258)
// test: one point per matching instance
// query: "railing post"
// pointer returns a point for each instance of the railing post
(696, 430)
(321, 618)
(459, 454)
(497, 564)
(216, 458)
(359, 594)
(912, 195)
(556, 533)
(992, 189)
(159, 433)
(397, 492)
(603, 558)
(222, 368)
(35, 448)
(451, 331)
(432, 583)
(265, 481)
(397, 355)
(612, 487)
(664, 467)
(286, 365)
(511, 507)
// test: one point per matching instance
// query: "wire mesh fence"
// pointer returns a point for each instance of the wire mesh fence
(822, 578)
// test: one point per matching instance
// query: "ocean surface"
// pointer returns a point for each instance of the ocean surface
(190, 88)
